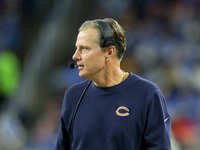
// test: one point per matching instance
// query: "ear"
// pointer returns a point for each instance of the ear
(110, 52)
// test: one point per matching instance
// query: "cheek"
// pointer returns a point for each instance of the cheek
(97, 63)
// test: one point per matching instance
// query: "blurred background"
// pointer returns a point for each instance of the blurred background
(37, 41)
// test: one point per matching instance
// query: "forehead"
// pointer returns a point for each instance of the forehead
(86, 36)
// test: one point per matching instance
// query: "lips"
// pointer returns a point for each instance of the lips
(80, 67)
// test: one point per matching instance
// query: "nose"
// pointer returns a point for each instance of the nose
(76, 55)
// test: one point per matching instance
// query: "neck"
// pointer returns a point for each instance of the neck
(110, 78)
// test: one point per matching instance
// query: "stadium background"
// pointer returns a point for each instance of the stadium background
(37, 42)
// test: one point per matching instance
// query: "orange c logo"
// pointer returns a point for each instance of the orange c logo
(122, 114)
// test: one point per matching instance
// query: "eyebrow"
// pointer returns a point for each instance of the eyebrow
(82, 46)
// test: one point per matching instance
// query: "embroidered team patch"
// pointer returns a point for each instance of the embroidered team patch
(122, 111)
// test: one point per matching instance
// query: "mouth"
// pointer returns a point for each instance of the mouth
(80, 67)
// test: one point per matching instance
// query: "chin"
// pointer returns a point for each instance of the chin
(84, 75)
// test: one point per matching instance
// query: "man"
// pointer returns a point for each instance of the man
(118, 110)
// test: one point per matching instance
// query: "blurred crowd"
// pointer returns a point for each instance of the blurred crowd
(163, 45)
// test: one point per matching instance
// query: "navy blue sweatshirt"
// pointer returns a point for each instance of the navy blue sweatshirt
(129, 116)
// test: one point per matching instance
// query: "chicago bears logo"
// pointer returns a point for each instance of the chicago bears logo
(122, 111)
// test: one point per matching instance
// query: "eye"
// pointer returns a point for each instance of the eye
(85, 48)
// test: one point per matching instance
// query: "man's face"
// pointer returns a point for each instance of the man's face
(89, 55)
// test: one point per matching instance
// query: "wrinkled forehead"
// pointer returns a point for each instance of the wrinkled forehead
(87, 37)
